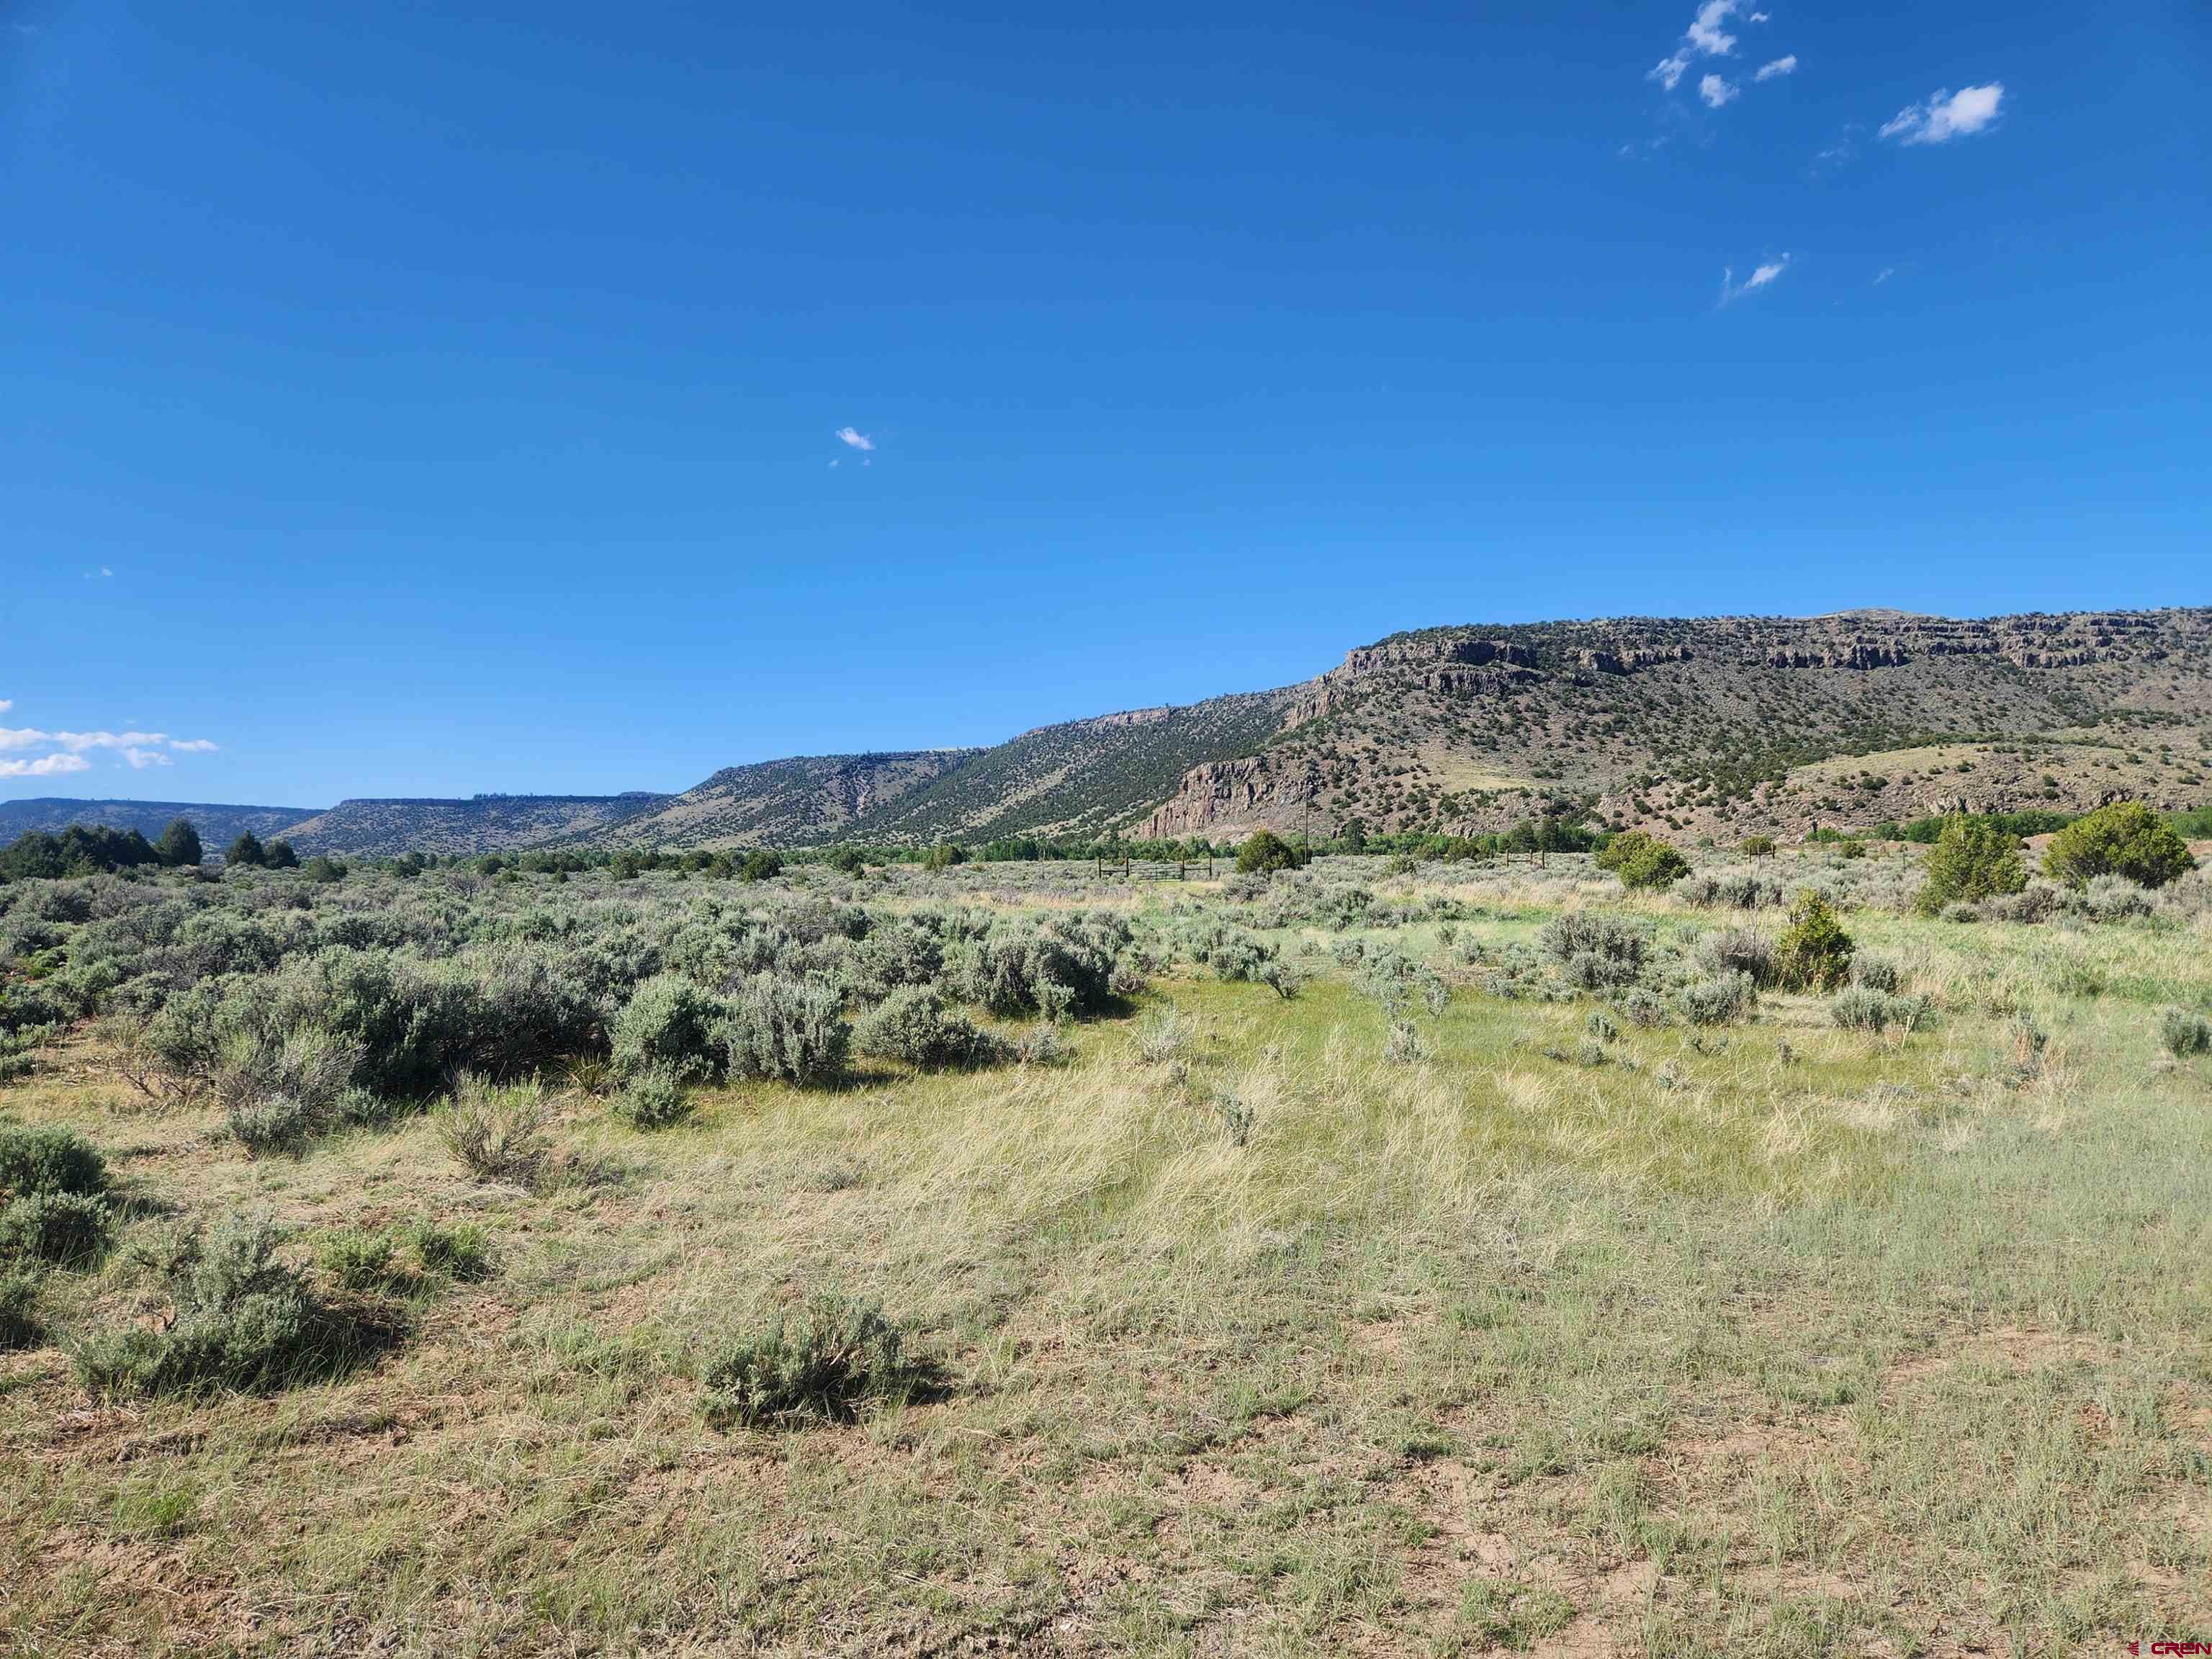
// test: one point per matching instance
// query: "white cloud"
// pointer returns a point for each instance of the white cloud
(5, 705)
(1756, 17)
(78, 742)
(1780, 66)
(1715, 91)
(1705, 33)
(1732, 290)
(1946, 115)
(855, 440)
(45, 766)
(1884, 275)
(65, 751)
(1705, 38)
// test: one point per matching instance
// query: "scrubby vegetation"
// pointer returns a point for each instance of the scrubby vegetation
(837, 1356)
(1265, 853)
(1263, 1249)
(238, 1318)
(2126, 840)
(1973, 859)
(1642, 861)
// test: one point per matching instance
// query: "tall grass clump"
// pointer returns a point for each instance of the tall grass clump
(497, 1131)
(1162, 1035)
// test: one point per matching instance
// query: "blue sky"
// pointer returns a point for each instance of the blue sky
(425, 399)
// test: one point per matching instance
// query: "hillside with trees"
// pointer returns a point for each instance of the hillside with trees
(1692, 729)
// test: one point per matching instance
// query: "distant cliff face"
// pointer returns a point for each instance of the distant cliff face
(1698, 725)
(1715, 725)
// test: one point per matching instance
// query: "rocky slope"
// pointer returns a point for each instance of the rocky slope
(482, 823)
(1706, 725)
(1724, 723)
(784, 802)
(1713, 726)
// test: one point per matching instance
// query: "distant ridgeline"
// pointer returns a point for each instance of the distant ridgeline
(1694, 729)
(218, 825)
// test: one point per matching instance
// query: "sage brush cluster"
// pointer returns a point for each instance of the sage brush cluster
(838, 1355)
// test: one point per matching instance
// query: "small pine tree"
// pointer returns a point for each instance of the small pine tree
(246, 849)
(1617, 850)
(2124, 839)
(1971, 859)
(1265, 853)
(1642, 860)
(280, 855)
(1815, 953)
(179, 846)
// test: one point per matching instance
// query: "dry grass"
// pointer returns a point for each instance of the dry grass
(1805, 1343)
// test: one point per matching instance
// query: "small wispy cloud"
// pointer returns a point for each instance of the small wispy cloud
(5, 705)
(1785, 66)
(1762, 276)
(47, 766)
(1756, 17)
(77, 742)
(1705, 33)
(1884, 275)
(1840, 152)
(1944, 115)
(853, 439)
(140, 759)
(193, 745)
(1715, 91)
(100, 575)
(1705, 38)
